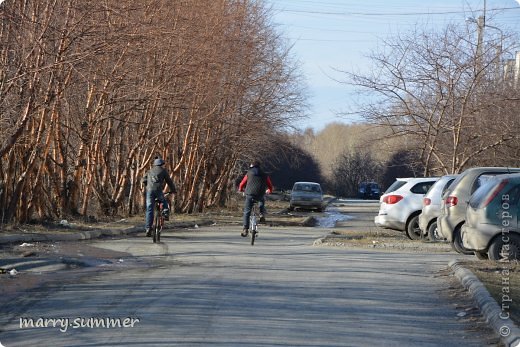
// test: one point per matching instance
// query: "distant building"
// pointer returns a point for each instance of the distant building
(512, 70)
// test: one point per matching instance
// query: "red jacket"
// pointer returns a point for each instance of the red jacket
(243, 183)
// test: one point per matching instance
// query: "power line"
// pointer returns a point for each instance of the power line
(390, 13)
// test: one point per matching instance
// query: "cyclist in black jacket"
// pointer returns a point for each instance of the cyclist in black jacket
(154, 181)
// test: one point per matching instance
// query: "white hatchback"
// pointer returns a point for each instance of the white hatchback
(401, 205)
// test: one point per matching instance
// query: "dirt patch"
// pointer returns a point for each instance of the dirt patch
(381, 239)
(69, 254)
(467, 311)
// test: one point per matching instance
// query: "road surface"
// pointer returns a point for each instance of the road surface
(210, 287)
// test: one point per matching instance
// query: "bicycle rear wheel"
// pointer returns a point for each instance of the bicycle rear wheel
(156, 225)
(254, 227)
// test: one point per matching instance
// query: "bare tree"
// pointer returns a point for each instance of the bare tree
(91, 92)
(352, 168)
(439, 91)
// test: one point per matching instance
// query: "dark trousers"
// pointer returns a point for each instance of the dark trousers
(248, 206)
(150, 204)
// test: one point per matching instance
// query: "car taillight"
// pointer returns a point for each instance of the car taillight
(451, 201)
(426, 201)
(392, 199)
(495, 192)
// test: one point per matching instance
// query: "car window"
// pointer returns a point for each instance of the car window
(421, 188)
(448, 184)
(485, 177)
(396, 185)
(307, 188)
(429, 189)
(453, 185)
(482, 192)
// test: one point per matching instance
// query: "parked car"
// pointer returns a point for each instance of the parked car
(401, 205)
(307, 195)
(369, 190)
(492, 226)
(455, 201)
(432, 207)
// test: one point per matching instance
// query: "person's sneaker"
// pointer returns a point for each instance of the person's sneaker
(244, 233)
(148, 232)
(262, 218)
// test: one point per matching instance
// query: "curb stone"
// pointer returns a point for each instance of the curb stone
(36, 265)
(505, 328)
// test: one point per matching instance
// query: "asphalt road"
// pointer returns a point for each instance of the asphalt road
(210, 287)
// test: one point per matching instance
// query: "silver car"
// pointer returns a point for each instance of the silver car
(306, 195)
(455, 201)
(432, 207)
(492, 225)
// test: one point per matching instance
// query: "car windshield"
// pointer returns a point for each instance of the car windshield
(396, 185)
(307, 188)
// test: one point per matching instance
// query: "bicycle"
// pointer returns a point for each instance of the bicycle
(253, 221)
(158, 219)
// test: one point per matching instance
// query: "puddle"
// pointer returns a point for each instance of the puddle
(331, 217)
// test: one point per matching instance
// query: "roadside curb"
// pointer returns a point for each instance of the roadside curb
(501, 324)
(89, 234)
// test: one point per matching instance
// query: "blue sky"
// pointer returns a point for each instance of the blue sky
(333, 35)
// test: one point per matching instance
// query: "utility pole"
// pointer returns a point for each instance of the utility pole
(481, 23)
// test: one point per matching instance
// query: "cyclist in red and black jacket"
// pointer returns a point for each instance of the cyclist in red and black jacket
(256, 183)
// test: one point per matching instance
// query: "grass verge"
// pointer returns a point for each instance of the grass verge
(502, 280)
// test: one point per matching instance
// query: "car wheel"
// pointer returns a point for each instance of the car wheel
(481, 255)
(412, 229)
(433, 233)
(456, 244)
(505, 247)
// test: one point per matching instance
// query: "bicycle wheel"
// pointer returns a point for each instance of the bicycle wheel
(253, 226)
(253, 237)
(155, 228)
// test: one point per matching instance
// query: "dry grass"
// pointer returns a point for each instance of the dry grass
(502, 280)
(382, 239)
(232, 214)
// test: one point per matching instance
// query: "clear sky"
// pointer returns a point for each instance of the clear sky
(333, 35)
